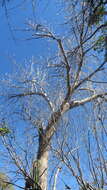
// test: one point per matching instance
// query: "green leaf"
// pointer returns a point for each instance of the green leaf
(4, 131)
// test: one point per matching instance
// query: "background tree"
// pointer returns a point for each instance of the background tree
(4, 182)
(97, 14)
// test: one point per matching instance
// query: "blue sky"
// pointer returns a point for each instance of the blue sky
(18, 48)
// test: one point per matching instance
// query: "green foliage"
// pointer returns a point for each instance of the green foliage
(97, 11)
(100, 44)
(4, 128)
(100, 13)
(97, 15)
(4, 131)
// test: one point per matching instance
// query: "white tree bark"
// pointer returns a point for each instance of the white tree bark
(43, 170)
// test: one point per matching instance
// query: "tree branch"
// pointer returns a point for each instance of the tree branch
(44, 95)
(86, 100)
(59, 42)
(89, 76)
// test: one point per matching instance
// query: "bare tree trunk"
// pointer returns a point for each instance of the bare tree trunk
(43, 170)
(42, 162)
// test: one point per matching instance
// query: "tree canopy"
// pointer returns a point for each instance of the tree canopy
(53, 129)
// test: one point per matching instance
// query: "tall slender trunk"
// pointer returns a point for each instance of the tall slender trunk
(42, 162)
(43, 170)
